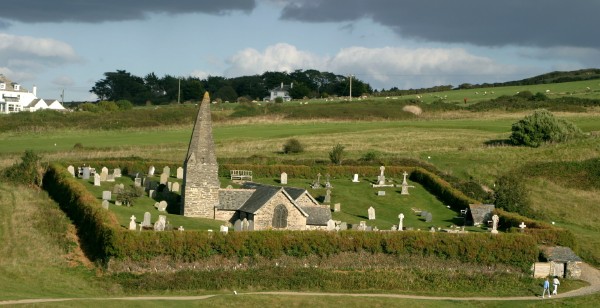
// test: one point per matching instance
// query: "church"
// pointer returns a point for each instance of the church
(252, 207)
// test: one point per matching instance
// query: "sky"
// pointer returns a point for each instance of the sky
(68, 45)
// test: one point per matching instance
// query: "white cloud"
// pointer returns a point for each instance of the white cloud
(381, 67)
(63, 81)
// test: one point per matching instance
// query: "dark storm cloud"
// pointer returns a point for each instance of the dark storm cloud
(94, 11)
(541, 23)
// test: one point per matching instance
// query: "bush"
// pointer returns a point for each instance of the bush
(370, 156)
(511, 195)
(337, 154)
(293, 146)
(542, 127)
(28, 172)
(124, 104)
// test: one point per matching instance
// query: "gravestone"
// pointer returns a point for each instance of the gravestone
(330, 225)
(327, 183)
(283, 178)
(495, 220)
(86, 173)
(428, 217)
(152, 193)
(147, 220)
(103, 174)
(237, 225)
(161, 223)
(343, 225)
(132, 224)
(432, 229)
(337, 207)
(317, 183)
(164, 178)
(119, 188)
(245, 225)
(118, 202)
(106, 195)
(381, 193)
(224, 229)
(151, 171)
(355, 179)
(250, 225)
(170, 186)
(162, 206)
(105, 204)
(180, 173)
(394, 228)
(167, 171)
(424, 213)
(327, 196)
(156, 204)
(137, 182)
(180, 229)
(381, 177)
(117, 173)
(400, 224)
(405, 185)
(362, 225)
(522, 226)
(110, 178)
(371, 212)
(71, 170)
(96, 179)
(175, 187)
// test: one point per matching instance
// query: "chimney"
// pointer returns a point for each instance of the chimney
(35, 91)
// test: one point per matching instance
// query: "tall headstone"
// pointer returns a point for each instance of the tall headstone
(147, 220)
(161, 223)
(355, 179)
(200, 188)
(180, 173)
(327, 196)
(117, 172)
(71, 170)
(104, 174)
(164, 178)
(151, 171)
(495, 220)
(330, 225)
(337, 207)
(283, 178)
(132, 224)
(96, 179)
(175, 187)
(106, 195)
(381, 177)
(86, 173)
(400, 224)
(167, 171)
(237, 225)
(371, 212)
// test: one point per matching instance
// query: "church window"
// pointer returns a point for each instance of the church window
(280, 216)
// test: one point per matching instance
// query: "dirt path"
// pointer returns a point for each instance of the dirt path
(589, 274)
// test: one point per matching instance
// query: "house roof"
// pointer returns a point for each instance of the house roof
(560, 254)
(295, 192)
(481, 212)
(233, 199)
(37, 101)
(8, 82)
(317, 215)
(262, 195)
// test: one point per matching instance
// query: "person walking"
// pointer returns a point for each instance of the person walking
(555, 282)
(546, 288)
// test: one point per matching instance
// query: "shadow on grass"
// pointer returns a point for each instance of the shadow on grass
(498, 143)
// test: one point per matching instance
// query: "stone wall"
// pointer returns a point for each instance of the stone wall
(228, 216)
(263, 218)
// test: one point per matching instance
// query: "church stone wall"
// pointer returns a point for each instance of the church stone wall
(263, 218)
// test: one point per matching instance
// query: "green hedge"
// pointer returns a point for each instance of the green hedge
(442, 189)
(543, 232)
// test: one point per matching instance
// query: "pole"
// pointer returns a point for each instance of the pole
(350, 87)
(62, 97)
(179, 91)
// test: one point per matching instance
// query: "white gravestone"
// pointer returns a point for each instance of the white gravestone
(71, 170)
(132, 224)
(151, 170)
(400, 224)
(180, 173)
(86, 173)
(96, 179)
(371, 212)
(164, 178)
(381, 193)
(167, 171)
(224, 229)
(147, 220)
(337, 207)
(355, 179)
(117, 172)
(105, 204)
(162, 206)
(495, 220)
(110, 178)
(283, 178)
(160, 224)
(106, 195)
(522, 226)
(175, 187)
(137, 182)
(104, 174)
(330, 225)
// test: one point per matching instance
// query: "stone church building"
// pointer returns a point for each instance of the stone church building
(252, 207)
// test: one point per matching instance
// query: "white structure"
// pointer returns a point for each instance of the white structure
(281, 91)
(14, 98)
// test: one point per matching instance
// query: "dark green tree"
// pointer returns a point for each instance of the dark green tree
(337, 154)
(511, 195)
(542, 127)
(293, 145)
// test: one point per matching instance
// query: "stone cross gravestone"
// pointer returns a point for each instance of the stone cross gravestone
(405, 185)
(327, 196)
(400, 224)
(96, 179)
(71, 170)
(371, 212)
(522, 226)
(132, 224)
(147, 220)
(381, 177)
(151, 171)
(180, 173)
(327, 183)
(283, 178)
(106, 195)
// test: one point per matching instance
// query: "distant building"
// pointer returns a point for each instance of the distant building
(281, 91)
(15, 98)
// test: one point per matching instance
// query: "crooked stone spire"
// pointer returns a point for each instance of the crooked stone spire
(200, 178)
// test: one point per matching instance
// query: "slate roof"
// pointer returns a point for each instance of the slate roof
(10, 84)
(560, 254)
(317, 215)
(294, 192)
(233, 199)
(261, 195)
(481, 213)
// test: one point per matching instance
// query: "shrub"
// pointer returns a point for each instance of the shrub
(370, 156)
(293, 146)
(124, 104)
(337, 154)
(108, 106)
(511, 195)
(28, 172)
(541, 127)
(279, 100)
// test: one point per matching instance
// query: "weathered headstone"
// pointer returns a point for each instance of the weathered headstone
(381, 193)
(355, 179)
(152, 193)
(400, 224)
(317, 183)
(156, 204)
(96, 179)
(245, 225)
(161, 223)
(132, 224)
(110, 178)
(162, 206)
(164, 178)
(327, 196)
(343, 225)
(71, 170)
(106, 195)
(105, 204)
(362, 225)
(103, 174)
(283, 178)
(86, 173)
(405, 185)
(327, 183)
(118, 202)
(180, 173)
(371, 212)
(175, 187)
(137, 182)
(167, 171)
(117, 173)
(424, 213)
(428, 217)
(151, 171)
(495, 220)
(170, 186)
(337, 207)
(147, 220)
(237, 225)
(330, 225)
(224, 229)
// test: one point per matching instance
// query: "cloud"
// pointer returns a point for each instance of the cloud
(93, 11)
(480, 22)
(63, 81)
(381, 67)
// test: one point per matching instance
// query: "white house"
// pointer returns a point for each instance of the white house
(281, 91)
(14, 98)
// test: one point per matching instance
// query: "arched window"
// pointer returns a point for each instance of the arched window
(280, 215)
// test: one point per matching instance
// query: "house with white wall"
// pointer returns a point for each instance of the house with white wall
(15, 98)
(281, 91)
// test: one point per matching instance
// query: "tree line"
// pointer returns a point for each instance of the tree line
(122, 85)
